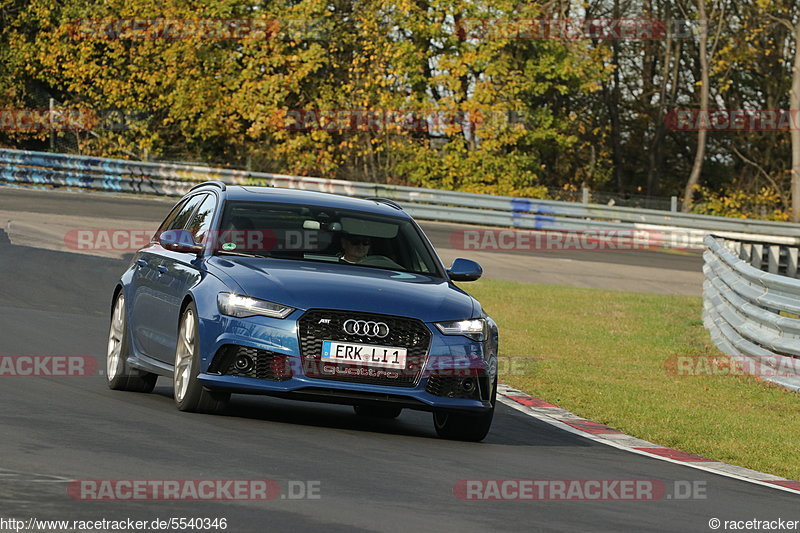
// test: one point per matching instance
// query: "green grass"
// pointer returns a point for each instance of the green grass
(601, 354)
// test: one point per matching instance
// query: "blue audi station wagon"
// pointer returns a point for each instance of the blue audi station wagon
(304, 295)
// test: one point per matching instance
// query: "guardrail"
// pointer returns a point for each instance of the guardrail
(751, 306)
(678, 230)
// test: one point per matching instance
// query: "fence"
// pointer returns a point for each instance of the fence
(681, 230)
(751, 306)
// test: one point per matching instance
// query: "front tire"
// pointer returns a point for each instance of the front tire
(119, 375)
(189, 393)
(470, 428)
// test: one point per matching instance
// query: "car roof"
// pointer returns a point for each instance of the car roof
(321, 199)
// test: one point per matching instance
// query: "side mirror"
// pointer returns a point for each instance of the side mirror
(464, 270)
(179, 240)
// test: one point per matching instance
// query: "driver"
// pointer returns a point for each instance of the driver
(354, 248)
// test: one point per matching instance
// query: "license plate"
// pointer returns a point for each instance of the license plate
(364, 354)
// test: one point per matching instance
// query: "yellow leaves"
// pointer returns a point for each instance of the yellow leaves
(765, 203)
(226, 90)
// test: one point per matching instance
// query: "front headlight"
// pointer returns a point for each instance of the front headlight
(475, 328)
(244, 306)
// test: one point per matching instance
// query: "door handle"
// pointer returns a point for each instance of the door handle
(141, 262)
(162, 269)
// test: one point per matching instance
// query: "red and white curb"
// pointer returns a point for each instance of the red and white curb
(563, 419)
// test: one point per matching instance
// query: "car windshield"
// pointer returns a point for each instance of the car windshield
(301, 232)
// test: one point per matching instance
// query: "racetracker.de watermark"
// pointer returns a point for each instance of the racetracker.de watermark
(512, 240)
(502, 240)
(733, 120)
(201, 29)
(38, 120)
(721, 365)
(397, 120)
(131, 240)
(192, 490)
(440, 366)
(63, 366)
(568, 29)
(573, 29)
(578, 490)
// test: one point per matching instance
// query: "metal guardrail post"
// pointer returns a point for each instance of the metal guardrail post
(757, 255)
(791, 262)
(744, 251)
(773, 258)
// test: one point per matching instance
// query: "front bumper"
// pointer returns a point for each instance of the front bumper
(449, 360)
(329, 391)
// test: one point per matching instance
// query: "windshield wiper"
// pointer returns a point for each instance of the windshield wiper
(240, 254)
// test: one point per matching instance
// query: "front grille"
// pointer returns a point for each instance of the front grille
(263, 364)
(319, 325)
(467, 388)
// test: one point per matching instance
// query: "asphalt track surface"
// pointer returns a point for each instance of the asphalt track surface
(373, 475)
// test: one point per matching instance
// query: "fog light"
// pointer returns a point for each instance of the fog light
(243, 363)
(468, 385)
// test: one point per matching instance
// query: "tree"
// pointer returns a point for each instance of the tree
(788, 15)
(795, 132)
(700, 152)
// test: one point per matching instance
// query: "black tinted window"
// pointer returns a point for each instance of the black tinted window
(167, 221)
(310, 233)
(201, 221)
(180, 220)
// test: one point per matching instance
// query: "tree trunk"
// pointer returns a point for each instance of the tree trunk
(613, 111)
(655, 157)
(794, 106)
(699, 156)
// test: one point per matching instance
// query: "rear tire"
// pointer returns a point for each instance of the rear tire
(378, 411)
(119, 375)
(469, 428)
(189, 393)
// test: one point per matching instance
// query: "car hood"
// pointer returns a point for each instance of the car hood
(313, 285)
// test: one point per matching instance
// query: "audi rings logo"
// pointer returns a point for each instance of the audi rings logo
(366, 328)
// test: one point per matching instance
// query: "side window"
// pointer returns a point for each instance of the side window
(179, 216)
(180, 220)
(167, 221)
(201, 221)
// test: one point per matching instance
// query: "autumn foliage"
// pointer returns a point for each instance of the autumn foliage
(274, 86)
